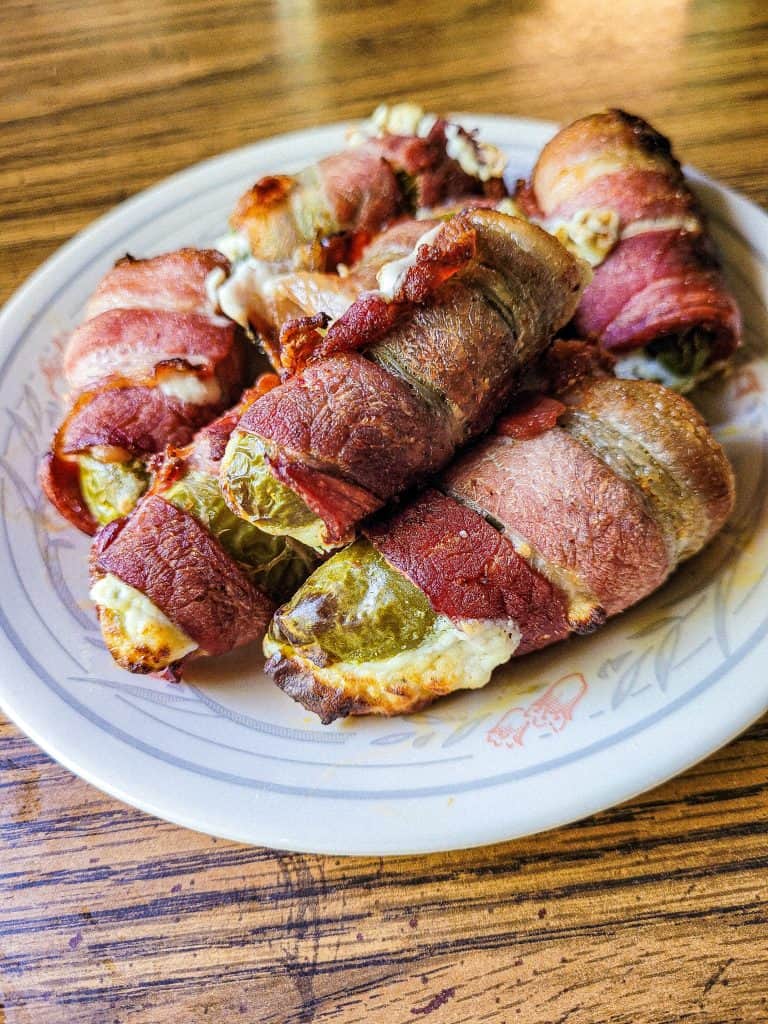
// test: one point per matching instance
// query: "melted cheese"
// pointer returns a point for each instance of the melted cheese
(454, 656)
(110, 453)
(481, 160)
(234, 295)
(395, 119)
(590, 233)
(188, 387)
(235, 246)
(135, 630)
(642, 227)
(392, 275)
(213, 281)
(508, 206)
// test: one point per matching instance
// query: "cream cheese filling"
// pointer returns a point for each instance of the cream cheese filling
(391, 276)
(393, 119)
(590, 233)
(593, 233)
(234, 295)
(188, 387)
(143, 625)
(480, 160)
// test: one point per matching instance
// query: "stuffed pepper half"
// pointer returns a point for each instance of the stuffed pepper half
(398, 162)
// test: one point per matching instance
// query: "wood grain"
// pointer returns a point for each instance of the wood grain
(652, 912)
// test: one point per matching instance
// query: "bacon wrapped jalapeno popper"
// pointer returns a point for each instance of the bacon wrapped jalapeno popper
(535, 534)
(181, 576)
(150, 365)
(609, 187)
(446, 338)
(400, 161)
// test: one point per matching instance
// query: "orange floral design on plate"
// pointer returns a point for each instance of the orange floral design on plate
(552, 711)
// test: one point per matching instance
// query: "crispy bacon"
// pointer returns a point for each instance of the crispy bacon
(360, 188)
(300, 340)
(433, 175)
(568, 363)
(339, 503)
(530, 416)
(374, 315)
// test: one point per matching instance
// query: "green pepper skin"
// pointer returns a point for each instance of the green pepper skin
(111, 489)
(684, 355)
(253, 491)
(276, 564)
(357, 608)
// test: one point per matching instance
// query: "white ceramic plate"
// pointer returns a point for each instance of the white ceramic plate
(556, 736)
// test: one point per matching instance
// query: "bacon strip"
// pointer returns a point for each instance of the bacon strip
(657, 284)
(572, 508)
(141, 420)
(131, 343)
(662, 278)
(347, 420)
(172, 559)
(173, 281)
(530, 417)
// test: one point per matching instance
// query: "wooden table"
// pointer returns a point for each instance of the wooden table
(654, 911)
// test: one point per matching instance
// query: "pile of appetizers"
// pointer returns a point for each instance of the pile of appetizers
(408, 420)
